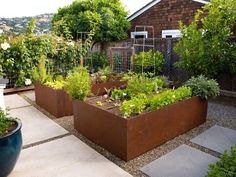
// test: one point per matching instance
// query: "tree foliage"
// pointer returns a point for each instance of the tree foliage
(206, 46)
(107, 17)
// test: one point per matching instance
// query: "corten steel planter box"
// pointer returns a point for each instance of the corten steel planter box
(129, 138)
(58, 102)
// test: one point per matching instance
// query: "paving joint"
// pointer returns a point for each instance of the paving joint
(204, 149)
(18, 107)
(46, 141)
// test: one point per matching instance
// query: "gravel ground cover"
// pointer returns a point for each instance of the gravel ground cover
(221, 112)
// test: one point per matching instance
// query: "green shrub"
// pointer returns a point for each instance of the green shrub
(97, 60)
(134, 106)
(5, 122)
(168, 97)
(206, 46)
(141, 84)
(149, 60)
(225, 167)
(203, 87)
(78, 83)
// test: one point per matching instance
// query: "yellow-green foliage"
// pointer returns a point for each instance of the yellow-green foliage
(57, 84)
(40, 74)
(168, 97)
(78, 83)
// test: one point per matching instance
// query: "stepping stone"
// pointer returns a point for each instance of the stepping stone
(181, 162)
(65, 157)
(15, 101)
(36, 126)
(217, 139)
(30, 95)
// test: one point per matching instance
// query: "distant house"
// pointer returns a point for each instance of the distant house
(164, 16)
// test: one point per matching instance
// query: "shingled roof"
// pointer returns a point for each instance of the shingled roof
(154, 2)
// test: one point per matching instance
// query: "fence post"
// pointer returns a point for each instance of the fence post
(168, 56)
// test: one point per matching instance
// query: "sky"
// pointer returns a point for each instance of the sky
(19, 8)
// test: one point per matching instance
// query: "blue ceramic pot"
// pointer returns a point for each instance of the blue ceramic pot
(10, 147)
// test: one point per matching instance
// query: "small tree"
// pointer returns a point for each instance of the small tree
(206, 46)
(107, 17)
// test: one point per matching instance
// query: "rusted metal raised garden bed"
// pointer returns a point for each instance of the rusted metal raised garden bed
(58, 102)
(129, 138)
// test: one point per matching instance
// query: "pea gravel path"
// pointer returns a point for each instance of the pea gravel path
(221, 112)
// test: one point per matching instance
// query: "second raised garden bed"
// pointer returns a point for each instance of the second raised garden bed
(59, 104)
(129, 138)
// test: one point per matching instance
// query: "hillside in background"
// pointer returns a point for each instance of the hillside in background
(18, 25)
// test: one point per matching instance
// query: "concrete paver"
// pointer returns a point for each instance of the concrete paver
(30, 95)
(15, 101)
(181, 162)
(36, 126)
(216, 138)
(65, 157)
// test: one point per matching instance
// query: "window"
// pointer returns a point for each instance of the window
(171, 33)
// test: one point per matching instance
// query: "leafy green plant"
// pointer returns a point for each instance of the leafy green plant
(118, 94)
(40, 73)
(134, 106)
(6, 122)
(225, 167)
(148, 61)
(168, 97)
(57, 83)
(203, 87)
(78, 83)
(142, 84)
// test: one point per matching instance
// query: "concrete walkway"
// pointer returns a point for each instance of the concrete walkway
(187, 161)
(49, 150)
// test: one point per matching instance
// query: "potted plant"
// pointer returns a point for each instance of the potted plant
(10, 142)
(144, 115)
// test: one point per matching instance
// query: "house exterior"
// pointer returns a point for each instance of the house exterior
(164, 16)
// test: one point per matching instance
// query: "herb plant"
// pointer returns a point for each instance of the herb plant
(78, 83)
(203, 87)
(225, 167)
(5, 122)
